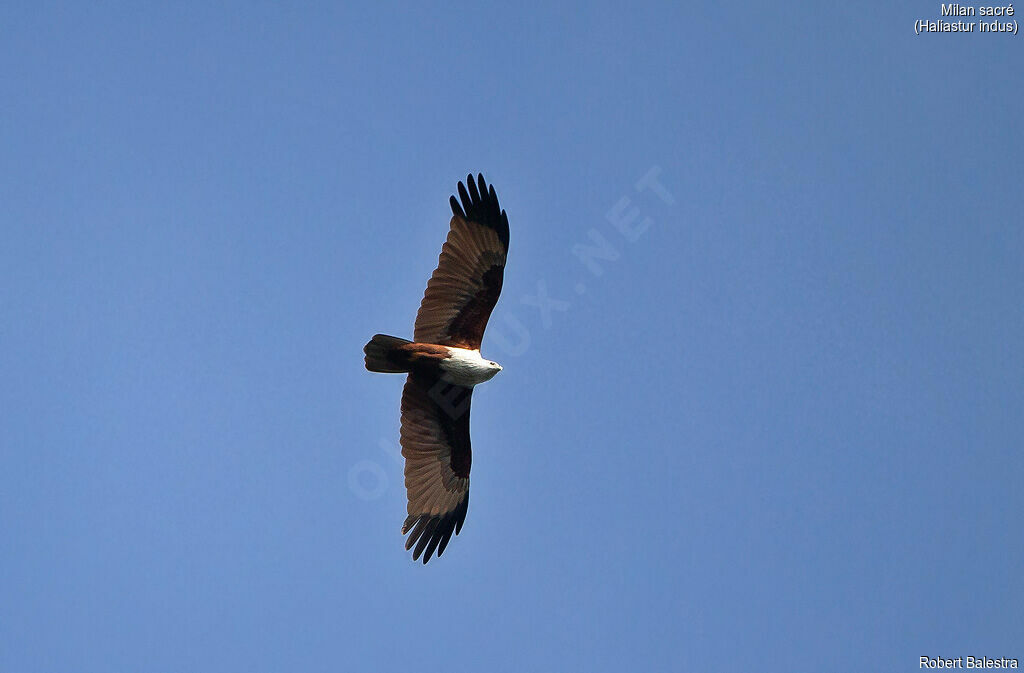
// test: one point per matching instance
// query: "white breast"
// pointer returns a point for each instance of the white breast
(467, 368)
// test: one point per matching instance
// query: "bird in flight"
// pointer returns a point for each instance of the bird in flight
(443, 364)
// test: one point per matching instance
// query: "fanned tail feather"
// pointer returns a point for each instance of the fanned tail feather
(382, 356)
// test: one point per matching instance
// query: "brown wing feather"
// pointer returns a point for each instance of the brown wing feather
(435, 443)
(465, 286)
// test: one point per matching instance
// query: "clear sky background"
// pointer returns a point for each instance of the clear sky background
(781, 430)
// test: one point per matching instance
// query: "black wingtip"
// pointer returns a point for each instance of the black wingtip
(480, 205)
(456, 208)
(428, 533)
(432, 533)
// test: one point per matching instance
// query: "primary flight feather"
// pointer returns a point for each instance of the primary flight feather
(443, 364)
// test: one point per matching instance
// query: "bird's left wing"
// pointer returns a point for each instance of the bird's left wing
(465, 286)
(435, 443)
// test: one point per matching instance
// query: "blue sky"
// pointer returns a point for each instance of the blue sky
(781, 430)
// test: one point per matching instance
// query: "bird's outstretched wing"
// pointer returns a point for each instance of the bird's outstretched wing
(435, 443)
(465, 286)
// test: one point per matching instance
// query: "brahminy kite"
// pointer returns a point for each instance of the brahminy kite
(443, 364)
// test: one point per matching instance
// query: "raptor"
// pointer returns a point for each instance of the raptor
(443, 364)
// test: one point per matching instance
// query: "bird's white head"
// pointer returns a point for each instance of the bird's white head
(493, 368)
(467, 368)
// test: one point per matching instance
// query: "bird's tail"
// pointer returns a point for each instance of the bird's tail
(382, 354)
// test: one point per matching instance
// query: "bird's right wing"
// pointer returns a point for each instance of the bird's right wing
(435, 443)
